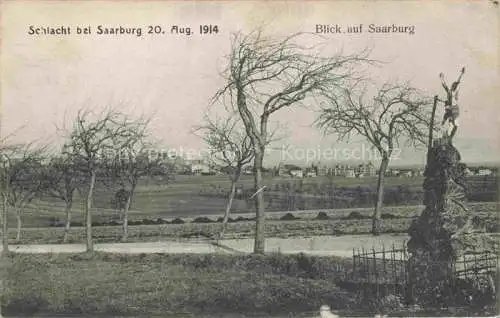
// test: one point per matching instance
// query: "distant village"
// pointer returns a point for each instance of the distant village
(201, 167)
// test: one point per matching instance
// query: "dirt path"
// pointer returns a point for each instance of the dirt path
(319, 245)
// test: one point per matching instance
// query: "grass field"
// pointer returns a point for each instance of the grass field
(173, 285)
(186, 285)
(180, 198)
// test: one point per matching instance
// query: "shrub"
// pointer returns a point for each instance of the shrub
(388, 216)
(355, 215)
(161, 221)
(322, 216)
(195, 234)
(288, 217)
(492, 227)
(229, 220)
(178, 221)
(56, 222)
(148, 222)
(242, 219)
(202, 219)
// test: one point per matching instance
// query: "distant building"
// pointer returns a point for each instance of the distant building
(484, 172)
(367, 170)
(322, 171)
(311, 172)
(298, 173)
(197, 167)
(342, 170)
(350, 173)
(287, 170)
(393, 172)
(469, 172)
(282, 171)
(408, 173)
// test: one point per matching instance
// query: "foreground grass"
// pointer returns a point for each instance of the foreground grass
(152, 284)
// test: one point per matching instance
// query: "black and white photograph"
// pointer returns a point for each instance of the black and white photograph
(237, 159)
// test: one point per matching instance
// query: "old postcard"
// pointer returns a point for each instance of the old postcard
(249, 159)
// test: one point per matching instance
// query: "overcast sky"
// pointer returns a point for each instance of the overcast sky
(46, 79)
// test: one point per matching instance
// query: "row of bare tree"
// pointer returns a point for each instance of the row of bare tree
(264, 76)
(108, 147)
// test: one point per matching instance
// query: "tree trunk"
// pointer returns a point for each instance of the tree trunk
(19, 225)
(88, 213)
(125, 218)
(69, 204)
(228, 206)
(259, 244)
(5, 227)
(380, 196)
(3, 282)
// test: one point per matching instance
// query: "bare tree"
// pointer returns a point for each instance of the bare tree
(7, 152)
(265, 75)
(132, 163)
(61, 177)
(397, 113)
(4, 192)
(25, 178)
(230, 148)
(93, 137)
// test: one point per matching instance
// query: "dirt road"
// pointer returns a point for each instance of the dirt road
(318, 245)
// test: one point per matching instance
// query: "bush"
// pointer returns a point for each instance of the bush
(322, 216)
(229, 220)
(288, 217)
(161, 221)
(492, 227)
(202, 219)
(196, 234)
(178, 221)
(388, 216)
(55, 221)
(242, 219)
(148, 222)
(355, 215)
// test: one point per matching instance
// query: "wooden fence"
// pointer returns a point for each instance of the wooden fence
(389, 271)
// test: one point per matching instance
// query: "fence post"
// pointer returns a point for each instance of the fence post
(465, 267)
(407, 279)
(476, 270)
(383, 259)
(384, 277)
(375, 272)
(365, 268)
(393, 265)
(353, 264)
